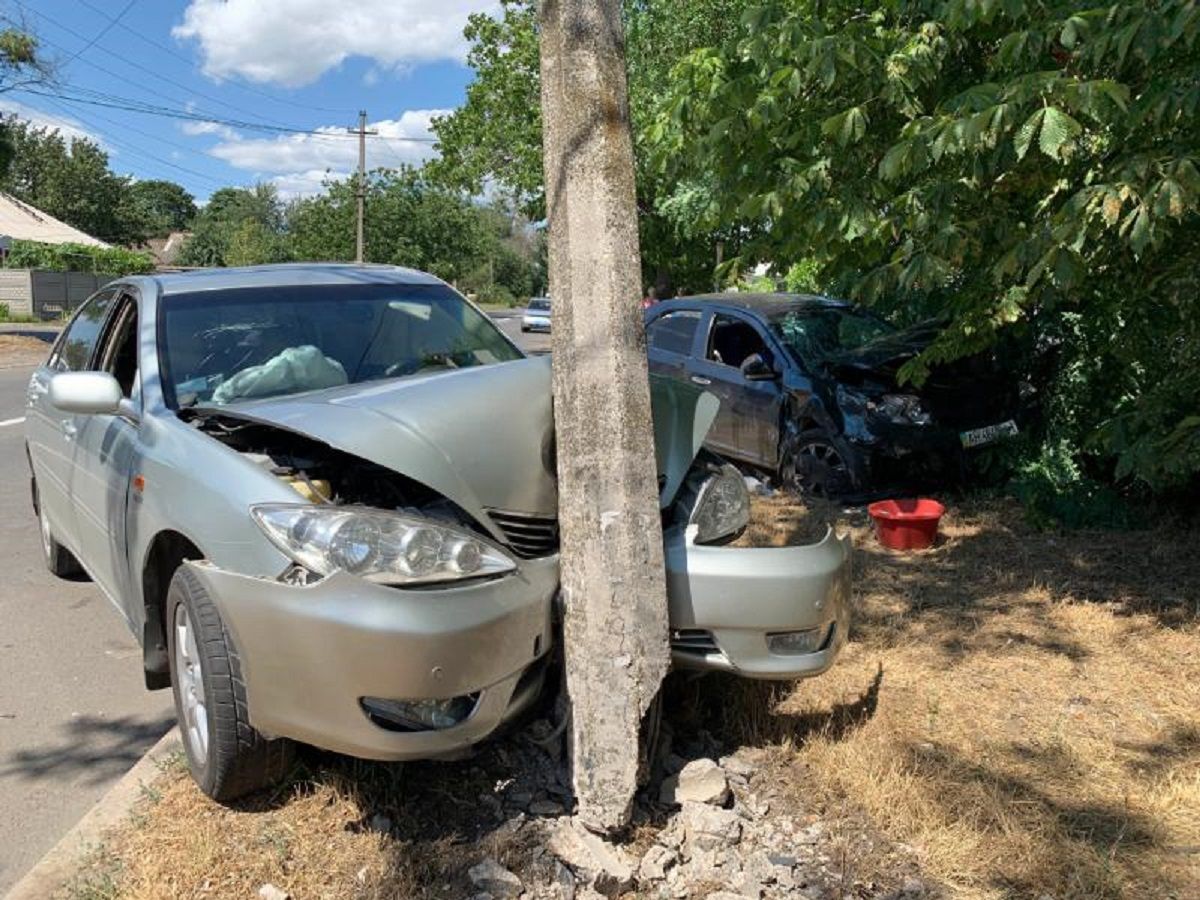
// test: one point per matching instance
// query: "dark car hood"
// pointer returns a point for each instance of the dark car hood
(885, 355)
(482, 436)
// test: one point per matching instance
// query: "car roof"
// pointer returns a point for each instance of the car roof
(288, 275)
(767, 305)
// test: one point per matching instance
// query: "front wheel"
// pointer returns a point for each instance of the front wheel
(226, 755)
(59, 560)
(815, 465)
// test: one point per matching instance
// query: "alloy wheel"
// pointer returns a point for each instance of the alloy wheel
(191, 687)
(819, 470)
(44, 530)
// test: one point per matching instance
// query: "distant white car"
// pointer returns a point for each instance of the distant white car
(537, 315)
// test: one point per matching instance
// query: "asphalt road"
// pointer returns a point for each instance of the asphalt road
(74, 714)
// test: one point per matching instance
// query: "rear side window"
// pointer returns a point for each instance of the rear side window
(74, 351)
(674, 332)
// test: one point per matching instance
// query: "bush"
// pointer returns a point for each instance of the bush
(116, 261)
(1056, 492)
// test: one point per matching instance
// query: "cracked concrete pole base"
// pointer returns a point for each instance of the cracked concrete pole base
(615, 623)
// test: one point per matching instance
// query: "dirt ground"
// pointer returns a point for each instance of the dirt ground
(20, 351)
(1015, 714)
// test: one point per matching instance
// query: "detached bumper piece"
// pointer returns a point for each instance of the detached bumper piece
(768, 613)
(387, 673)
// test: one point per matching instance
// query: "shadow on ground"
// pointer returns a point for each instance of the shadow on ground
(92, 750)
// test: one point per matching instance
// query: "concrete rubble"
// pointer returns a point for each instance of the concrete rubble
(708, 826)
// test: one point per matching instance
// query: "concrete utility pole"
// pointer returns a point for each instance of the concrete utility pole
(360, 191)
(613, 585)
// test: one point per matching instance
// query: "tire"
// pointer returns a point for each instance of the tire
(524, 330)
(815, 464)
(59, 560)
(227, 757)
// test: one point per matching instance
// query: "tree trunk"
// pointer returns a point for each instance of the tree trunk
(615, 625)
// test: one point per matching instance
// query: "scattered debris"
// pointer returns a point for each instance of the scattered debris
(700, 781)
(495, 880)
(605, 866)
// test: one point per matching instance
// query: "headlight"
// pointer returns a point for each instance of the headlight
(900, 408)
(384, 547)
(722, 506)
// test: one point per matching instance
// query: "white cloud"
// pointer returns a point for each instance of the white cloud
(293, 42)
(198, 128)
(68, 127)
(297, 160)
(304, 184)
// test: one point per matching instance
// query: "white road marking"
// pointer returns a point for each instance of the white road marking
(16, 421)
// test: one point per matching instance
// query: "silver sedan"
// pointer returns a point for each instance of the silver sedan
(324, 499)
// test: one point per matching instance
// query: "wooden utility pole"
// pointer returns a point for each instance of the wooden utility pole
(615, 621)
(360, 189)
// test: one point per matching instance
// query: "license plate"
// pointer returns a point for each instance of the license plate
(977, 437)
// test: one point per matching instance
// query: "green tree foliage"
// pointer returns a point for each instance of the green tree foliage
(116, 261)
(496, 137)
(166, 205)
(20, 64)
(1019, 165)
(71, 180)
(414, 222)
(238, 227)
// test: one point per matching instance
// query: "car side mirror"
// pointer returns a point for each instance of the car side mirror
(90, 394)
(755, 368)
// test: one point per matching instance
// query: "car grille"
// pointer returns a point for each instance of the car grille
(694, 640)
(526, 535)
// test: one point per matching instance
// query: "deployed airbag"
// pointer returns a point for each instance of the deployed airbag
(295, 369)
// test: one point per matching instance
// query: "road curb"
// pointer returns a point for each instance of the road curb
(61, 863)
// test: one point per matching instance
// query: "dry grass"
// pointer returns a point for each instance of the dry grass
(21, 350)
(318, 838)
(1016, 711)
(1021, 708)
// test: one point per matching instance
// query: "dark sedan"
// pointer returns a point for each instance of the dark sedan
(809, 393)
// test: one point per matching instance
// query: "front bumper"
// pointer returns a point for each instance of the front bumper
(535, 323)
(725, 601)
(310, 653)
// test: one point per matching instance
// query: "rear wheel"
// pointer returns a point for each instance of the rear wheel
(226, 755)
(59, 560)
(815, 466)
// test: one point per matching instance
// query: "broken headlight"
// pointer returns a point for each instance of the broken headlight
(722, 506)
(903, 408)
(384, 547)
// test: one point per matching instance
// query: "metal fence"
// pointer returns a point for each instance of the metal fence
(45, 294)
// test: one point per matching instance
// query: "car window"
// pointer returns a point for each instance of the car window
(816, 335)
(674, 332)
(731, 340)
(118, 355)
(222, 346)
(73, 353)
(540, 304)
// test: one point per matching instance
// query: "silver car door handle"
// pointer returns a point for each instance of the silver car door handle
(68, 429)
(699, 379)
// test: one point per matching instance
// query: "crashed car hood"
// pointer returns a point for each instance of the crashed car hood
(886, 354)
(482, 437)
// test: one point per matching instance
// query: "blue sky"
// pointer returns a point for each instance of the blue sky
(307, 65)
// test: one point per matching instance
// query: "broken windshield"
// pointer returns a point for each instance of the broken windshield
(222, 346)
(820, 334)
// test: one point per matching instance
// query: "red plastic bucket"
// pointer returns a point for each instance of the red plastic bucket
(906, 524)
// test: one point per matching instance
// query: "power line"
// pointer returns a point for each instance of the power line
(238, 84)
(137, 106)
(139, 151)
(102, 32)
(129, 62)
